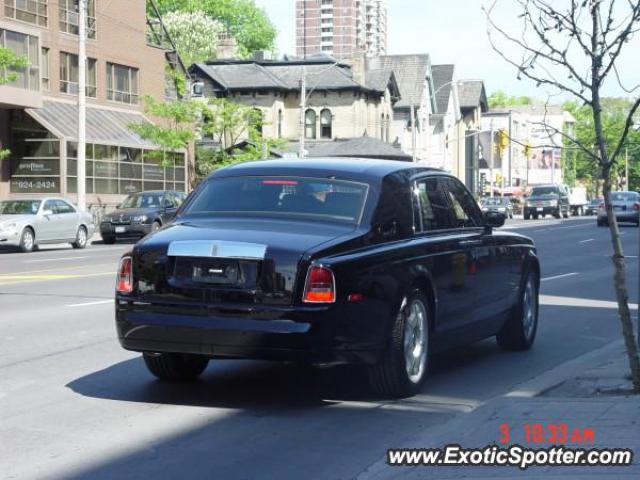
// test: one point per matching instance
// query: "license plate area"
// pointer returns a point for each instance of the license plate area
(121, 229)
(227, 272)
(540, 209)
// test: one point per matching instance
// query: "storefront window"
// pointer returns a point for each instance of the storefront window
(35, 163)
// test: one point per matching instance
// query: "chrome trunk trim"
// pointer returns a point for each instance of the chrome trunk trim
(217, 249)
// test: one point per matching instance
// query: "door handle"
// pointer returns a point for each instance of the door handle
(470, 243)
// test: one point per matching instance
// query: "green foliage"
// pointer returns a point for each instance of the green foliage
(500, 99)
(9, 62)
(614, 116)
(247, 23)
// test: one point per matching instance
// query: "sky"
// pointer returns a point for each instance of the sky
(452, 31)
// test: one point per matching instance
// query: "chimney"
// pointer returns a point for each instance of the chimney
(358, 64)
(227, 46)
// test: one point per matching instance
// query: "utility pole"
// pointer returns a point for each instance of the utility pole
(491, 160)
(82, 113)
(413, 133)
(626, 168)
(303, 107)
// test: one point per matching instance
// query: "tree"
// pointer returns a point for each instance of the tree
(573, 49)
(194, 34)
(245, 21)
(176, 129)
(499, 99)
(10, 63)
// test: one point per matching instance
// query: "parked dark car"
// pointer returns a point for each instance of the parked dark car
(140, 214)
(594, 205)
(626, 206)
(370, 262)
(547, 200)
(497, 204)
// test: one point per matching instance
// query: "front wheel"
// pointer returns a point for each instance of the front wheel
(175, 367)
(519, 331)
(27, 241)
(527, 215)
(403, 366)
(81, 238)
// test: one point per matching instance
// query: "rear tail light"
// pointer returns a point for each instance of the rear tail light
(320, 286)
(601, 206)
(636, 206)
(124, 282)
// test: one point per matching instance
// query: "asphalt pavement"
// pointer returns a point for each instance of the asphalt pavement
(73, 404)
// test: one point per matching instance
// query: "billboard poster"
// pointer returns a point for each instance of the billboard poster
(484, 147)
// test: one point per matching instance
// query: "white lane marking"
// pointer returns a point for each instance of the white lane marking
(553, 300)
(89, 304)
(588, 240)
(66, 259)
(556, 277)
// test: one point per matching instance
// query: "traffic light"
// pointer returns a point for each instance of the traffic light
(503, 139)
(527, 150)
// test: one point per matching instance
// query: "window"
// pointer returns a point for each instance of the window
(32, 11)
(63, 208)
(122, 84)
(44, 68)
(311, 199)
(50, 206)
(327, 30)
(327, 48)
(431, 208)
(68, 12)
(26, 46)
(310, 124)
(466, 213)
(326, 121)
(69, 75)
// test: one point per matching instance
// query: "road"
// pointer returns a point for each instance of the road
(75, 405)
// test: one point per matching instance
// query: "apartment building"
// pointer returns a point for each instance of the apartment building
(38, 111)
(341, 28)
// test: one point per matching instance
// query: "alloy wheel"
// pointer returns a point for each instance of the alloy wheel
(415, 340)
(529, 309)
(27, 239)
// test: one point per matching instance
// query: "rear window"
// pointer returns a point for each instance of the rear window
(624, 197)
(292, 197)
(544, 191)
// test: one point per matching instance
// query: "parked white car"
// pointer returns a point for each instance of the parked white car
(28, 223)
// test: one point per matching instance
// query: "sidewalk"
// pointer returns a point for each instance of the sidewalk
(588, 392)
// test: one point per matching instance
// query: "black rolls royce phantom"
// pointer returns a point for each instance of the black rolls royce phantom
(371, 262)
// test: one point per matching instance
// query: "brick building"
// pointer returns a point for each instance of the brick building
(38, 111)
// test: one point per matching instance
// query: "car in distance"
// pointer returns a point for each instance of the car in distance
(547, 200)
(626, 206)
(330, 261)
(594, 205)
(27, 223)
(140, 214)
(497, 204)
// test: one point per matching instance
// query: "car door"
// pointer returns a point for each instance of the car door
(47, 227)
(169, 208)
(68, 220)
(449, 258)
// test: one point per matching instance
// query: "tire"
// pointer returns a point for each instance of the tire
(535, 216)
(155, 226)
(601, 223)
(519, 331)
(108, 240)
(565, 214)
(81, 238)
(527, 216)
(557, 213)
(27, 240)
(391, 377)
(175, 367)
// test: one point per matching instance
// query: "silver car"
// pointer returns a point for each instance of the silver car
(626, 207)
(31, 222)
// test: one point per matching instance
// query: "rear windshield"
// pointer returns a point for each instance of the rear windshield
(544, 191)
(496, 201)
(624, 197)
(293, 197)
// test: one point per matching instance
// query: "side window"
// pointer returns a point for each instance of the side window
(50, 205)
(433, 211)
(466, 213)
(63, 207)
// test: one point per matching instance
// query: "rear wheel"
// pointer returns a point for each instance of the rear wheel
(81, 238)
(175, 367)
(519, 331)
(155, 226)
(27, 240)
(527, 215)
(601, 223)
(403, 366)
(557, 213)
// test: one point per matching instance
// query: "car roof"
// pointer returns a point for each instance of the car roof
(346, 168)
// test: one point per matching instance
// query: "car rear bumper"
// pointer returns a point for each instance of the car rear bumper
(131, 230)
(632, 216)
(311, 334)
(541, 210)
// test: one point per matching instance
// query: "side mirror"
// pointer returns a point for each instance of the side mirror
(493, 219)
(47, 213)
